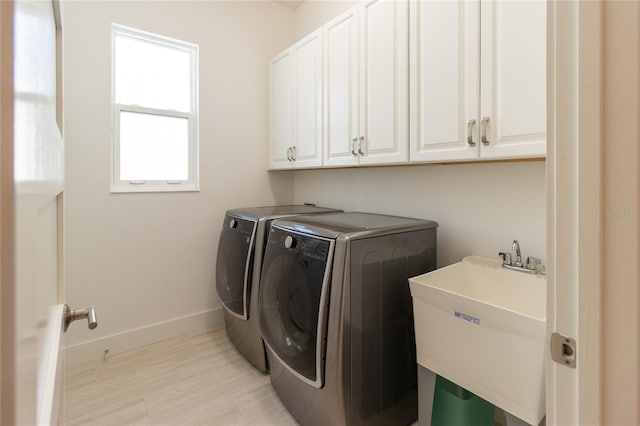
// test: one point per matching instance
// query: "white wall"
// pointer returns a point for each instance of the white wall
(147, 261)
(312, 14)
(621, 222)
(481, 208)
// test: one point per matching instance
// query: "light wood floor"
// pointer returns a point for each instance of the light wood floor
(197, 379)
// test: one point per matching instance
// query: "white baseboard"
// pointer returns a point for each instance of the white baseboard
(93, 350)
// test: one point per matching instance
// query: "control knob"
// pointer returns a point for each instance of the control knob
(233, 223)
(289, 242)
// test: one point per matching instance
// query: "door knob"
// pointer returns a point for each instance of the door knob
(71, 315)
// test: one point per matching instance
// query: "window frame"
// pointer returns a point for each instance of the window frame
(192, 183)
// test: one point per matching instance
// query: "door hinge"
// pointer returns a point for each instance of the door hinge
(563, 350)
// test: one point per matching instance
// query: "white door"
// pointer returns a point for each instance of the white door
(513, 79)
(341, 89)
(444, 80)
(281, 110)
(32, 186)
(384, 82)
(307, 101)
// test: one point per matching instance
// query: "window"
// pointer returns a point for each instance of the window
(155, 137)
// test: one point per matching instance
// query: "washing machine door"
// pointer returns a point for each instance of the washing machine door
(293, 301)
(234, 266)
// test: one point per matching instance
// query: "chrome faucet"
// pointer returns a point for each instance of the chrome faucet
(533, 265)
(516, 247)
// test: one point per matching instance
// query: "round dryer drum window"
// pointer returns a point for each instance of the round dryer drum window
(293, 299)
(235, 264)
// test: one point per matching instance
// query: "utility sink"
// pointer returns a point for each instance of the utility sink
(483, 327)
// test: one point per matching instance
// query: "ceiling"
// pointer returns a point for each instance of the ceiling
(291, 4)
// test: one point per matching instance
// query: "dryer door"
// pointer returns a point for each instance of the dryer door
(293, 301)
(234, 266)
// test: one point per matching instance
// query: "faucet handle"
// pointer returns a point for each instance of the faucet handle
(532, 263)
(506, 258)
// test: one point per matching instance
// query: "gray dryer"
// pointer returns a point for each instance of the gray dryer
(337, 319)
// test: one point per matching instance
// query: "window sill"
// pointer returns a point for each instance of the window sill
(150, 187)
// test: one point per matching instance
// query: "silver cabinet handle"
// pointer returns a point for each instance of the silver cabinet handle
(483, 130)
(289, 156)
(360, 151)
(71, 315)
(294, 153)
(470, 125)
(353, 146)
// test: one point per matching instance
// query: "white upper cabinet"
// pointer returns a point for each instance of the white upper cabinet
(280, 110)
(478, 80)
(384, 82)
(514, 79)
(366, 77)
(445, 83)
(476, 87)
(307, 101)
(341, 89)
(296, 115)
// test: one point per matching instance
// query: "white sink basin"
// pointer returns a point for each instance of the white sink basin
(483, 327)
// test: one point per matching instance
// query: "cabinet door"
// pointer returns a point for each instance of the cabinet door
(280, 110)
(513, 86)
(444, 80)
(384, 81)
(307, 101)
(341, 89)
